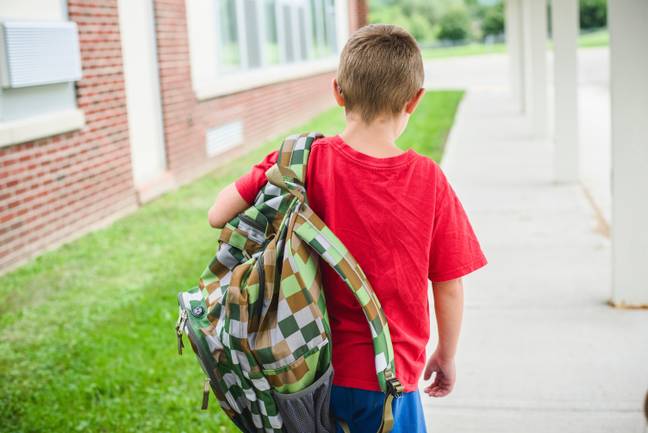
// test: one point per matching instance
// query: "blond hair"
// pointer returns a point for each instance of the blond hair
(380, 70)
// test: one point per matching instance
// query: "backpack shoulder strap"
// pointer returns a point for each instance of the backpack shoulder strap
(294, 152)
(289, 173)
(290, 170)
(312, 230)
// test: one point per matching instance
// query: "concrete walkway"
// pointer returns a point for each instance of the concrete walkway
(540, 349)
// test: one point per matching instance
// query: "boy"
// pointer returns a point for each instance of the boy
(398, 216)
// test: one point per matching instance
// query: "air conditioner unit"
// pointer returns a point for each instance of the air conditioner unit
(34, 53)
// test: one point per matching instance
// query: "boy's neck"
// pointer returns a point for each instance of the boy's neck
(377, 139)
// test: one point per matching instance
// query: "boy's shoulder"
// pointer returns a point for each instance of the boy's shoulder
(322, 141)
(330, 142)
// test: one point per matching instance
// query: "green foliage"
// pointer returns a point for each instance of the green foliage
(472, 49)
(492, 23)
(449, 20)
(586, 40)
(86, 331)
(409, 8)
(454, 25)
(415, 16)
(593, 14)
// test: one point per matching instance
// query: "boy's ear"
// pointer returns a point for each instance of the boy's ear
(337, 93)
(412, 103)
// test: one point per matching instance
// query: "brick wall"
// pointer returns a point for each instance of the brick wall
(55, 189)
(58, 187)
(264, 110)
(358, 14)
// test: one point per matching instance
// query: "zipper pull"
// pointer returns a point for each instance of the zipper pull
(180, 324)
(180, 343)
(205, 400)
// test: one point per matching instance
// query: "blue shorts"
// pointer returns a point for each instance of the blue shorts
(362, 410)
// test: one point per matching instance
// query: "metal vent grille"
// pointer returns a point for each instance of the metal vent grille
(36, 53)
(224, 137)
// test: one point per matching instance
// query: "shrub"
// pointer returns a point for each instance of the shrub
(454, 25)
(593, 14)
(493, 21)
(418, 24)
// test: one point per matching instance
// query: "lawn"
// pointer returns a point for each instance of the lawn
(597, 38)
(86, 331)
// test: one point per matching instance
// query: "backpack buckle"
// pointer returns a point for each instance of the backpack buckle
(394, 387)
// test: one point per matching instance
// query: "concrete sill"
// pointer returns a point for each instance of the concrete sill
(227, 85)
(47, 125)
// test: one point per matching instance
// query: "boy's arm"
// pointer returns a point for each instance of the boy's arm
(227, 205)
(239, 195)
(448, 306)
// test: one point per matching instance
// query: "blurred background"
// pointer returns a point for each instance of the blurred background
(120, 120)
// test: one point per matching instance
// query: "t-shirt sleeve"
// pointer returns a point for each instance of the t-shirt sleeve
(454, 249)
(251, 182)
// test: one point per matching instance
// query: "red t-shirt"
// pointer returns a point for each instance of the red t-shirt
(401, 220)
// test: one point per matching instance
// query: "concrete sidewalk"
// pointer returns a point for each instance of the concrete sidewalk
(540, 349)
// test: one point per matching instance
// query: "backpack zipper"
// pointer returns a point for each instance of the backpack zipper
(180, 324)
(205, 398)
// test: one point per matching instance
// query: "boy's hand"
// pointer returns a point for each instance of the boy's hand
(445, 377)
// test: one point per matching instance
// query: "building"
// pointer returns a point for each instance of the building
(105, 104)
(623, 199)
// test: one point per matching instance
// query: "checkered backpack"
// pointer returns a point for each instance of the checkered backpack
(257, 320)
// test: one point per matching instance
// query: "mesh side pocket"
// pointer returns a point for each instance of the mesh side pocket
(307, 411)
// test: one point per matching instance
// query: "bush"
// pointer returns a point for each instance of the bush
(417, 24)
(493, 21)
(593, 14)
(454, 25)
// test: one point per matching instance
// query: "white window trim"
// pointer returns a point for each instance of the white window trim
(41, 126)
(256, 78)
(207, 84)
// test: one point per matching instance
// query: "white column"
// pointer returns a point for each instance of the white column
(141, 76)
(629, 107)
(534, 13)
(564, 18)
(514, 45)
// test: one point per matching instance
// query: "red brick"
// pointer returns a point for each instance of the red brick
(55, 187)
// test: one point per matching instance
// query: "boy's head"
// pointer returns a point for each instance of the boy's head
(380, 72)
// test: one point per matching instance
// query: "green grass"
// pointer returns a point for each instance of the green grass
(430, 124)
(598, 38)
(462, 50)
(86, 331)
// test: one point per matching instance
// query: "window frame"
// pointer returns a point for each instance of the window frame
(208, 83)
(42, 125)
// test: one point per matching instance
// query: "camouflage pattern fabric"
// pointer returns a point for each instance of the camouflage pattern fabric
(257, 320)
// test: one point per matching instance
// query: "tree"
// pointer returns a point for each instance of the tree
(417, 24)
(454, 25)
(493, 21)
(593, 14)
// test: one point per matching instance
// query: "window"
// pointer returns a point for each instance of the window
(323, 34)
(40, 61)
(271, 39)
(240, 44)
(228, 52)
(329, 25)
(253, 34)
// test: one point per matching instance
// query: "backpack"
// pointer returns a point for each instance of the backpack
(257, 320)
